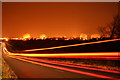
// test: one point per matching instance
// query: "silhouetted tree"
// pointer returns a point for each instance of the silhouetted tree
(112, 30)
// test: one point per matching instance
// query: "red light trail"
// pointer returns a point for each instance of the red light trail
(65, 69)
(23, 58)
(103, 55)
(67, 64)
(92, 55)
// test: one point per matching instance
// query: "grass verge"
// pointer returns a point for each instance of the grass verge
(7, 71)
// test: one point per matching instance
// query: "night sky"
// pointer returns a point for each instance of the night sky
(56, 19)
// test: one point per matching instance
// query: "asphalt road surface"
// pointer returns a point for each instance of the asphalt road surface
(35, 69)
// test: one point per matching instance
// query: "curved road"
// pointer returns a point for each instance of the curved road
(28, 68)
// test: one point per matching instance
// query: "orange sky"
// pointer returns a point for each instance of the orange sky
(55, 19)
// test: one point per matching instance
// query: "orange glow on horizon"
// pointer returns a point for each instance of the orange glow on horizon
(83, 36)
(26, 36)
(95, 36)
(43, 36)
(55, 18)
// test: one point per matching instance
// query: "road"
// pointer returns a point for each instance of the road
(29, 68)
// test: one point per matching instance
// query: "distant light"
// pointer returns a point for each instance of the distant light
(24, 39)
(56, 39)
(15, 38)
(43, 36)
(83, 36)
(66, 39)
(65, 36)
(1, 38)
(95, 36)
(26, 36)
(6, 39)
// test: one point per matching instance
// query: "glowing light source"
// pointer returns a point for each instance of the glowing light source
(6, 39)
(83, 36)
(26, 36)
(43, 36)
(15, 38)
(1, 38)
(95, 36)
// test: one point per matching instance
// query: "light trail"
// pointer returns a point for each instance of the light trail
(65, 64)
(72, 45)
(67, 69)
(97, 55)
(57, 67)
(67, 54)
